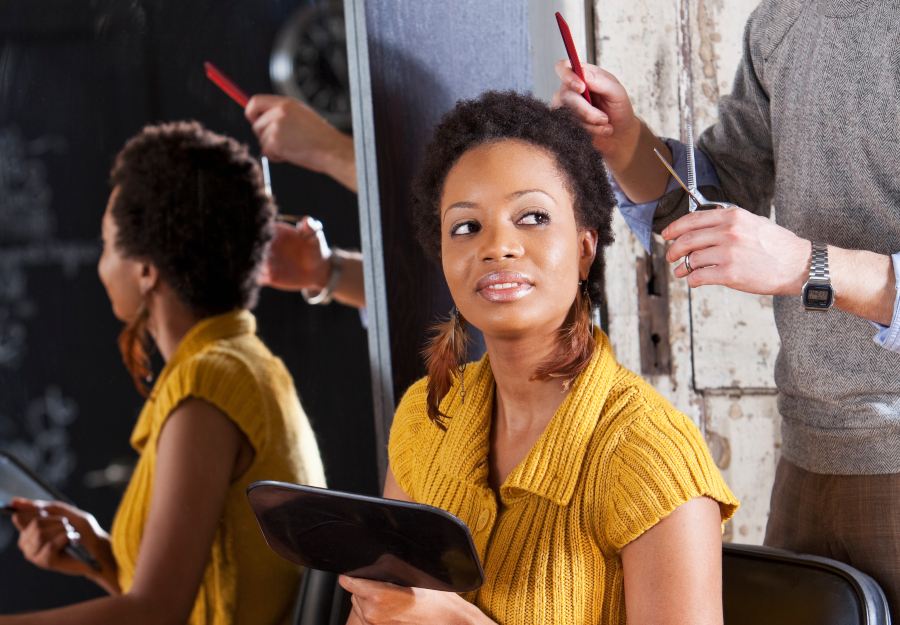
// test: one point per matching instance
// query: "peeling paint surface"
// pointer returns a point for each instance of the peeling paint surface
(744, 435)
(723, 343)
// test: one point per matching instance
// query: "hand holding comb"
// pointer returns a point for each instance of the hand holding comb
(573, 54)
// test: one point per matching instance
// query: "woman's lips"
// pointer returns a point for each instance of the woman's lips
(503, 286)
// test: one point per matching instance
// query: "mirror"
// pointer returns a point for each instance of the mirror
(76, 80)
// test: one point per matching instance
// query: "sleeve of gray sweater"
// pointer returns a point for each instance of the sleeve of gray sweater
(739, 145)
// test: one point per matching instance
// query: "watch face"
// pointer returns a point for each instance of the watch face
(817, 296)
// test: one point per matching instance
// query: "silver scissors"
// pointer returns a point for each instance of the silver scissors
(696, 201)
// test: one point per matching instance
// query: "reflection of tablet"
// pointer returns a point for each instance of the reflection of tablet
(17, 480)
(407, 544)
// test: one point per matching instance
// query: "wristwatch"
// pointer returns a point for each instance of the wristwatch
(327, 294)
(818, 294)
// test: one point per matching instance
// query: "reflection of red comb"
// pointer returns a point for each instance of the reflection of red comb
(226, 84)
(573, 55)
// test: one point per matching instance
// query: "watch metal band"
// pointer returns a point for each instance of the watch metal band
(818, 269)
(327, 294)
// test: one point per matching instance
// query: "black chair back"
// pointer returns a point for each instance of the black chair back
(760, 586)
(322, 601)
(765, 586)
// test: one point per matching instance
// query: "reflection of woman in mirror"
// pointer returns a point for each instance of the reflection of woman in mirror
(184, 234)
(588, 495)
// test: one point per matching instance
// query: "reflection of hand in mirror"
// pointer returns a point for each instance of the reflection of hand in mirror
(299, 258)
(289, 130)
(46, 528)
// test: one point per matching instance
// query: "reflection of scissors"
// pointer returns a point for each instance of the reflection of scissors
(697, 201)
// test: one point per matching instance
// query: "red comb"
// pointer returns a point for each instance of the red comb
(573, 55)
(226, 84)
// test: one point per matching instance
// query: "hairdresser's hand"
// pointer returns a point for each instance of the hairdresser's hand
(611, 120)
(45, 528)
(735, 248)
(289, 130)
(381, 603)
(298, 257)
(627, 142)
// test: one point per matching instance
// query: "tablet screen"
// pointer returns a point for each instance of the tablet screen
(18, 481)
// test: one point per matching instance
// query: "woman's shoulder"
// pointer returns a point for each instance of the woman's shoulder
(411, 421)
(653, 457)
(223, 376)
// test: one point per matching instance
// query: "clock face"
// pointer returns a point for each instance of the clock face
(309, 61)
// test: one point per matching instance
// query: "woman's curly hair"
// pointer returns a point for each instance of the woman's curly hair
(499, 115)
(193, 204)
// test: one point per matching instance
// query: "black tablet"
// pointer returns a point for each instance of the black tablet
(17, 480)
(407, 544)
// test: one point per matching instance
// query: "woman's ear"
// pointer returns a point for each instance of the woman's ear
(148, 277)
(588, 244)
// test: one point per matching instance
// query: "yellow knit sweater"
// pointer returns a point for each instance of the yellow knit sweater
(221, 361)
(614, 460)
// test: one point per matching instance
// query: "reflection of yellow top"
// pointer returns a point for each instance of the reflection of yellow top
(221, 361)
(613, 461)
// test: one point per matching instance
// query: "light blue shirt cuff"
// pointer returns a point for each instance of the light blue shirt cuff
(889, 336)
(639, 217)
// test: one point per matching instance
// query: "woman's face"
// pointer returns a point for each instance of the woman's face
(120, 275)
(510, 246)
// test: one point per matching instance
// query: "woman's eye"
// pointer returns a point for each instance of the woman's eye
(467, 227)
(534, 219)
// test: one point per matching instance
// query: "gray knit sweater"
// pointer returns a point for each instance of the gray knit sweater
(813, 125)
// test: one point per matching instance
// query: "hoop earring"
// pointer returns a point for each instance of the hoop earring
(133, 344)
(443, 354)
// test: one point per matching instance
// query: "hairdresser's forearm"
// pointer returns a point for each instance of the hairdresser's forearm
(352, 288)
(864, 283)
(637, 170)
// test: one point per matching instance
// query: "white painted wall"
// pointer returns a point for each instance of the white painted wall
(677, 58)
(546, 43)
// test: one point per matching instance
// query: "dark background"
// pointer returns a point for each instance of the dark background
(424, 56)
(77, 78)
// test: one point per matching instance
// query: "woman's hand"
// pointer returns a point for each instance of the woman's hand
(45, 528)
(289, 130)
(627, 142)
(381, 603)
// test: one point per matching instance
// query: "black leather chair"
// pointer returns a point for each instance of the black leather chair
(322, 601)
(765, 586)
(760, 586)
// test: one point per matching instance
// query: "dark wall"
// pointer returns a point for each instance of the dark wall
(424, 56)
(76, 80)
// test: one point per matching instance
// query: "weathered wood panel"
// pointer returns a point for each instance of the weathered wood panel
(677, 58)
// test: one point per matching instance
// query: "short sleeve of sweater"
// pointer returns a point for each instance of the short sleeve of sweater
(411, 424)
(660, 462)
(227, 382)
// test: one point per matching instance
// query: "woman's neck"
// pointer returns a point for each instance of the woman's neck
(523, 404)
(169, 322)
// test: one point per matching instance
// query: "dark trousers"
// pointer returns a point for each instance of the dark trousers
(851, 518)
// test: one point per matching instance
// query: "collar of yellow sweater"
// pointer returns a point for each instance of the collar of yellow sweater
(203, 333)
(553, 465)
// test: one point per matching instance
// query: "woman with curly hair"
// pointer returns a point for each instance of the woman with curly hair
(589, 497)
(184, 234)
